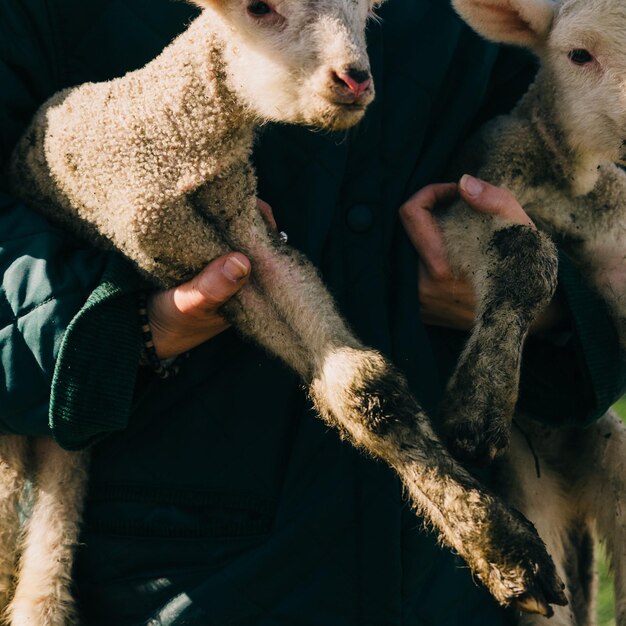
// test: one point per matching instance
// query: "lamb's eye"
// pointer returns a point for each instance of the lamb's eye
(580, 56)
(259, 8)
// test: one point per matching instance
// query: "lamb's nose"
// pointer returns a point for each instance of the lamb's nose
(355, 81)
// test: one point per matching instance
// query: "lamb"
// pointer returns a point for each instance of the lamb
(156, 164)
(556, 152)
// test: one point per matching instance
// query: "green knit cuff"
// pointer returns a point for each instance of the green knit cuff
(597, 342)
(94, 378)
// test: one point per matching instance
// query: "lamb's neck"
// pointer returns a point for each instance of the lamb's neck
(571, 165)
(195, 100)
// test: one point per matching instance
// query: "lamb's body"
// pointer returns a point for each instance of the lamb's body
(527, 153)
(135, 154)
(157, 162)
(582, 470)
(555, 152)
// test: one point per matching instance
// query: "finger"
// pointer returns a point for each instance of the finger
(486, 198)
(216, 284)
(429, 197)
(267, 213)
(423, 229)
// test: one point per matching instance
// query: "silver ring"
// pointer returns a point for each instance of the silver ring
(283, 236)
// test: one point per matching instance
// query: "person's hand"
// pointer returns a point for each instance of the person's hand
(183, 317)
(445, 299)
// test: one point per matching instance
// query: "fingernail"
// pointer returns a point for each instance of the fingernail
(235, 269)
(472, 186)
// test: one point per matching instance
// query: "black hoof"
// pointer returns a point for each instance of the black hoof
(478, 448)
(547, 590)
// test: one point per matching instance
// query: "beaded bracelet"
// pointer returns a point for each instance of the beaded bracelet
(149, 356)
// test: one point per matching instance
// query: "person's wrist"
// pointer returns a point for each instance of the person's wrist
(186, 316)
(175, 332)
(149, 356)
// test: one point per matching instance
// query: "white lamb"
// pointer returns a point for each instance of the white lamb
(157, 164)
(556, 153)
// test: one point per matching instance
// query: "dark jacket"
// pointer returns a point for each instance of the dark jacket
(217, 497)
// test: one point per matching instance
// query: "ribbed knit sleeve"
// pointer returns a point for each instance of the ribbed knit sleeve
(44, 280)
(68, 320)
(575, 382)
(94, 378)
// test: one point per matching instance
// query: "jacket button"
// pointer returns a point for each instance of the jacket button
(360, 218)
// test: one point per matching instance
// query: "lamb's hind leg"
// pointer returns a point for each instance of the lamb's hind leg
(13, 470)
(599, 454)
(358, 392)
(514, 275)
(543, 476)
(43, 593)
(580, 489)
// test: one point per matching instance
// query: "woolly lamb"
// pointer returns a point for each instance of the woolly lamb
(556, 152)
(157, 164)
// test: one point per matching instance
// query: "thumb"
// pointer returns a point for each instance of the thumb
(219, 281)
(491, 200)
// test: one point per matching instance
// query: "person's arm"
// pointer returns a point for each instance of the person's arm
(45, 277)
(69, 328)
(573, 367)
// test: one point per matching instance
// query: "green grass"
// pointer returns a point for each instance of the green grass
(605, 593)
(605, 587)
(620, 407)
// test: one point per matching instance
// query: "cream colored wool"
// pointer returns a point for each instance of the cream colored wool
(156, 165)
(556, 153)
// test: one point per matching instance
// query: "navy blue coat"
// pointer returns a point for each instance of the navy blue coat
(217, 497)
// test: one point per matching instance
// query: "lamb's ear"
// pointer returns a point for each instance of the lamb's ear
(203, 4)
(519, 22)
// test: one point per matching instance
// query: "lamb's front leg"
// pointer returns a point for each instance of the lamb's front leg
(358, 392)
(598, 455)
(513, 268)
(500, 546)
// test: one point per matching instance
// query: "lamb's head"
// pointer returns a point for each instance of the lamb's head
(586, 56)
(582, 48)
(299, 61)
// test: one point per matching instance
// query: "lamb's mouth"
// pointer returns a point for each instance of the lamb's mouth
(333, 114)
(344, 115)
(350, 106)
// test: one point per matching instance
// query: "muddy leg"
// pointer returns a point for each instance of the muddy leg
(358, 392)
(515, 281)
(500, 546)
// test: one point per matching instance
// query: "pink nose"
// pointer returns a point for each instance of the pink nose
(355, 81)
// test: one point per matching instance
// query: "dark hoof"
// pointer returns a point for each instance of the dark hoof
(546, 591)
(516, 568)
(470, 445)
(540, 584)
